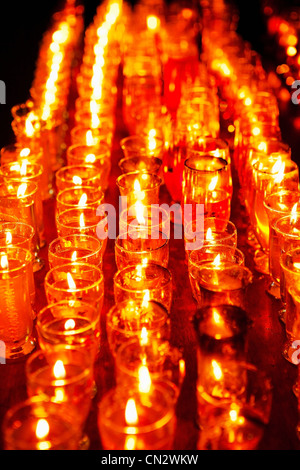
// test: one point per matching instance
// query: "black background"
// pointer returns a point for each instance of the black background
(22, 25)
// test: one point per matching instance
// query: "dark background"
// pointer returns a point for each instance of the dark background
(23, 25)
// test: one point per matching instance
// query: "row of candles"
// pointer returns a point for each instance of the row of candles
(188, 155)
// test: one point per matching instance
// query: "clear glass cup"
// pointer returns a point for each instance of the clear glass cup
(135, 247)
(133, 282)
(77, 248)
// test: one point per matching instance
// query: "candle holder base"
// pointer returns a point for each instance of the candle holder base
(21, 351)
(274, 290)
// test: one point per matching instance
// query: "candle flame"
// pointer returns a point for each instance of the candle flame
(294, 216)
(25, 152)
(42, 428)
(23, 169)
(130, 443)
(83, 200)
(77, 180)
(217, 261)
(71, 282)
(70, 324)
(152, 22)
(217, 371)
(209, 234)
(90, 158)
(131, 415)
(146, 299)
(8, 238)
(59, 370)
(22, 190)
(81, 221)
(144, 336)
(4, 261)
(139, 209)
(212, 185)
(136, 185)
(89, 138)
(74, 256)
(144, 379)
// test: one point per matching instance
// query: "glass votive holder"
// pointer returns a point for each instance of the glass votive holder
(202, 174)
(40, 424)
(140, 319)
(269, 176)
(77, 175)
(130, 420)
(155, 362)
(139, 187)
(212, 231)
(16, 285)
(65, 375)
(287, 232)
(277, 205)
(234, 405)
(22, 200)
(85, 135)
(69, 323)
(214, 253)
(20, 235)
(140, 163)
(7, 218)
(98, 156)
(137, 247)
(75, 281)
(78, 197)
(75, 248)
(135, 145)
(221, 331)
(290, 276)
(133, 282)
(24, 171)
(153, 218)
(218, 283)
(80, 221)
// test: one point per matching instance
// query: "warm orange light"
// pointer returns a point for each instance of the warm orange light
(42, 428)
(22, 190)
(131, 415)
(4, 261)
(83, 200)
(77, 180)
(152, 22)
(59, 370)
(144, 379)
(217, 371)
(291, 51)
(71, 282)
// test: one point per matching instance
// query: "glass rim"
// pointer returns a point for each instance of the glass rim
(277, 193)
(86, 372)
(64, 170)
(25, 262)
(132, 267)
(188, 166)
(158, 424)
(284, 219)
(234, 249)
(121, 248)
(84, 188)
(33, 189)
(157, 179)
(90, 239)
(36, 402)
(73, 303)
(72, 265)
